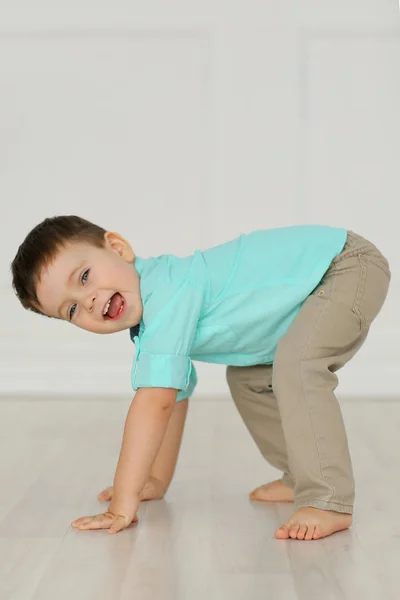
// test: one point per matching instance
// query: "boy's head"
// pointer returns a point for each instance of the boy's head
(72, 269)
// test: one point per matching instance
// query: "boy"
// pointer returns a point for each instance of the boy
(284, 308)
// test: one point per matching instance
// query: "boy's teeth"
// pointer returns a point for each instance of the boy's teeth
(107, 307)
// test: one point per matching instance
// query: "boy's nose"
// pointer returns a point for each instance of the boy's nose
(90, 302)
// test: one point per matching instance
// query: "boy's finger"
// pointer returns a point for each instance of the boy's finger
(98, 522)
(81, 521)
(119, 523)
(105, 494)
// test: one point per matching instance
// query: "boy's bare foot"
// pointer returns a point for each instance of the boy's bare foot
(276, 491)
(309, 523)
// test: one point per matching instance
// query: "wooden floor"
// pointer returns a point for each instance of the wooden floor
(205, 540)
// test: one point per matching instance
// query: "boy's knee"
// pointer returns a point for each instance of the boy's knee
(285, 364)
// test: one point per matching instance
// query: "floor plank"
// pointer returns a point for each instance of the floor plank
(205, 539)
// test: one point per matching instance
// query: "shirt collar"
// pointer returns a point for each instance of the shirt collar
(139, 266)
(134, 331)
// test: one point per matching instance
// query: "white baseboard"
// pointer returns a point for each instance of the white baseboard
(361, 379)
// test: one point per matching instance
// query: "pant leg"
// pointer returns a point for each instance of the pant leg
(251, 390)
(330, 327)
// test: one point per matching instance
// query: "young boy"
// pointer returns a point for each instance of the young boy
(284, 308)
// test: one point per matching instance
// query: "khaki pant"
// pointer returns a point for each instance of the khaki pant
(290, 407)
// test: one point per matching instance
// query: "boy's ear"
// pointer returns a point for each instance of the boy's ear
(116, 242)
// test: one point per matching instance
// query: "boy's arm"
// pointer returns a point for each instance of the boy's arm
(164, 464)
(163, 467)
(145, 428)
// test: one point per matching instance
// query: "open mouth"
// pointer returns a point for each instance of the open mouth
(115, 307)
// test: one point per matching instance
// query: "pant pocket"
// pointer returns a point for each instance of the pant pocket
(372, 289)
(380, 261)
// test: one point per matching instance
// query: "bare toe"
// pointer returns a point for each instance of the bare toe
(302, 532)
(317, 533)
(282, 533)
(310, 532)
(294, 529)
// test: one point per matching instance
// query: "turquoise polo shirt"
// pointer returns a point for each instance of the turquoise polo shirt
(229, 304)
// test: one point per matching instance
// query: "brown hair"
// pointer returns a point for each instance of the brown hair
(40, 247)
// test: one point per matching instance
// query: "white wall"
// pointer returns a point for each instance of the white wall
(182, 125)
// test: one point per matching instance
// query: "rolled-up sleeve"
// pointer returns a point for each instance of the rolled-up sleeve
(163, 350)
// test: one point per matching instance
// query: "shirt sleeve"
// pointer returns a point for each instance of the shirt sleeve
(163, 350)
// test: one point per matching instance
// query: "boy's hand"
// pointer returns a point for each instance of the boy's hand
(152, 490)
(119, 516)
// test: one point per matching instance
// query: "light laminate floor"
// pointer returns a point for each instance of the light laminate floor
(205, 539)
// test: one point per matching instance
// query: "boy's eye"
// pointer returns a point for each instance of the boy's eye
(84, 277)
(85, 274)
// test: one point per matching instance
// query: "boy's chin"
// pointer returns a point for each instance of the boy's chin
(115, 327)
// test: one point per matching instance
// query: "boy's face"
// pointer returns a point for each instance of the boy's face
(78, 285)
